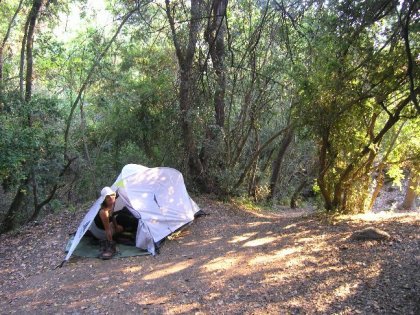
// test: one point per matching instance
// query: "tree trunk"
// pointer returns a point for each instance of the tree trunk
(381, 177)
(185, 53)
(253, 158)
(410, 198)
(278, 161)
(33, 15)
(89, 76)
(27, 45)
(215, 39)
(336, 199)
(211, 153)
(252, 185)
(22, 60)
(323, 169)
(8, 221)
(379, 184)
(293, 200)
(83, 131)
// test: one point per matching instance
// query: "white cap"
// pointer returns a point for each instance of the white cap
(107, 191)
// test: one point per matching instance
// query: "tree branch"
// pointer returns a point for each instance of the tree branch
(89, 76)
(410, 68)
(6, 37)
(255, 156)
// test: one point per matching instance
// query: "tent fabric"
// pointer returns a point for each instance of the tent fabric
(157, 197)
(89, 247)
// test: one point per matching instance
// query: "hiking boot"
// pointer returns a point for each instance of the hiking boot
(102, 246)
(108, 250)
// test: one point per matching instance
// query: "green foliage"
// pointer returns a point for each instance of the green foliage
(29, 138)
(335, 71)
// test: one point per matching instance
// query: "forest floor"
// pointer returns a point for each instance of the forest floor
(233, 261)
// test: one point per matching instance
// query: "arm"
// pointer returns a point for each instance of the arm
(104, 215)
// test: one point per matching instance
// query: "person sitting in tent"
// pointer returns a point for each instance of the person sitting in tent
(104, 225)
(109, 225)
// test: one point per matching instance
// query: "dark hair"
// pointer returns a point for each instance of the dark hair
(103, 204)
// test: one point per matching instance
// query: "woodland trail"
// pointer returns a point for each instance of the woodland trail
(233, 261)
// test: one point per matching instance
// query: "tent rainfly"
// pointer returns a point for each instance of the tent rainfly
(157, 197)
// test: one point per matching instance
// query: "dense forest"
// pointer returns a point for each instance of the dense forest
(277, 101)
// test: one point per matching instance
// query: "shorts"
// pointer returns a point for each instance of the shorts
(97, 232)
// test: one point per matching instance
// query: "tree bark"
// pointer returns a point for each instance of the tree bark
(39, 206)
(8, 221)
(405, 26)
(26, 50)
(293, 200)
(254, 157)
(334, 199)
(22, 60)
(185, 53)
(214, 36)
(380, 170)
(323, 169)
(410, 198)
(279, 160)
(33, 16)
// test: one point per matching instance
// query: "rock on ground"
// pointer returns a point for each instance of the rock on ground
(370, 234)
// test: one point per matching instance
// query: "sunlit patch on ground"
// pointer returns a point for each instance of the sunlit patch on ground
(220, 263)
(383, 215)
(278, 255)
(231, 263)
(167, 270)
(132, 269)
(242, 238)
(259, 241)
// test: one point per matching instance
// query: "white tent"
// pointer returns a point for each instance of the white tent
(157, 197)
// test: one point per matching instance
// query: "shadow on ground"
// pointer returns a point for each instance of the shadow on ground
(231, 262)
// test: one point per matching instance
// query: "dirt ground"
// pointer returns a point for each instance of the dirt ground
(232, 261)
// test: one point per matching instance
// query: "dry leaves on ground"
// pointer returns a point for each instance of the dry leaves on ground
(230, 262)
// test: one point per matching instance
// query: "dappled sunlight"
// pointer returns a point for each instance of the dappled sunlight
(145, 299)
(241, 238)
(289, 226)
(220, 263)
(302, 234)
(131, 269)
(329, 283)
(277, 255)
(171, 269)
(258, 267)
(204, 241)
(307, 239)
(25, 293)
(383, 215)
(347, 289)
(183, 308)
(258, 223)
(296, 261)
(337, 287)
(260, 241)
